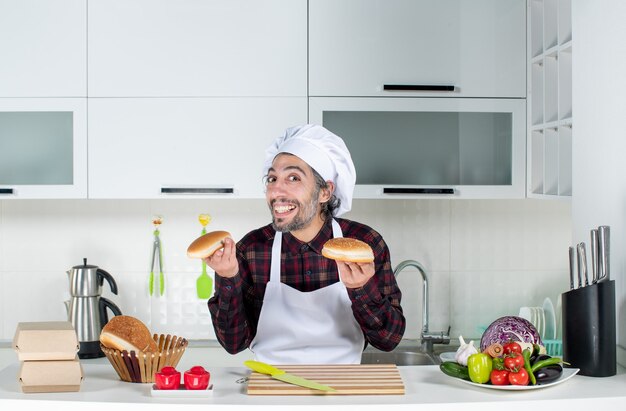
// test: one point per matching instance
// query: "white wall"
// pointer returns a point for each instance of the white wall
(599, 134)
(485, 258)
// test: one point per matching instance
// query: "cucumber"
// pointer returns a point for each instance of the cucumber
(454, 369)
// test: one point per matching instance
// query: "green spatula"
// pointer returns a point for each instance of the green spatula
(204, 283)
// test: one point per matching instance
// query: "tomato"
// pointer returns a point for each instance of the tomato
(511, 347)
(513, 361)
(519, 378)
(499, 377)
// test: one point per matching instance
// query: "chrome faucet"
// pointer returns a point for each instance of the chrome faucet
(427, 338)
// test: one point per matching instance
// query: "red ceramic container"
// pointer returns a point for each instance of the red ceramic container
(196, 378)
(167, 379)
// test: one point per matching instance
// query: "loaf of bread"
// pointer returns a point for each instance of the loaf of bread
(124, 332)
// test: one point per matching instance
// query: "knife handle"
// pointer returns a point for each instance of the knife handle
(604, 253)
(594, 256)
(263, 368)
(581, 263)
(584, 263)
(572, 267)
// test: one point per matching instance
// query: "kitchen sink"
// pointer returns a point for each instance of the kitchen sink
(399, 358)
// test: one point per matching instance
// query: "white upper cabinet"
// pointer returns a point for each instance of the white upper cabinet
(182, 147)
(430, 147)
(477, 48)
(43, 48)
(43, 148)
(191, 48)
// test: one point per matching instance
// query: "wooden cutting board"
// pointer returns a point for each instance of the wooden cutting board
(375, 379)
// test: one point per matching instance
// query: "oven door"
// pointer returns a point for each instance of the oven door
(430, 147)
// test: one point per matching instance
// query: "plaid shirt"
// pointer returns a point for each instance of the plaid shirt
(236, 305)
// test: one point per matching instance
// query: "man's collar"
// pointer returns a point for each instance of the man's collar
(294, 246)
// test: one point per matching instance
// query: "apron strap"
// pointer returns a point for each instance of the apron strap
(277, 246)
(275, 263)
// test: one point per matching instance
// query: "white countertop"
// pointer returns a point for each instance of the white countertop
(425, 385)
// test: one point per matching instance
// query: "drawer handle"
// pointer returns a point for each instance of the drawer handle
(197, 190)
(392, 190)
(418, 87)
(6, 191)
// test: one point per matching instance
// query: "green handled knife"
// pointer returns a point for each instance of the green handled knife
(283, 376)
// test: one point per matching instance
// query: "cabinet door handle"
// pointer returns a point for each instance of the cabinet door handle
(6, 191)
(418, 87)
(197, 190)
(393, 190)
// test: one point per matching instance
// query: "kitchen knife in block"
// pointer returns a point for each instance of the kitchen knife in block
(281, 375)
(572, 267)
(581, 263)
(604, 253)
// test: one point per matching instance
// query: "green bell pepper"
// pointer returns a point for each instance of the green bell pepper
(479, 366)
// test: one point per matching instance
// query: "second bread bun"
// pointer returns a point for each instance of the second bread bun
(348, 249)
(205, 245)
(124, 332)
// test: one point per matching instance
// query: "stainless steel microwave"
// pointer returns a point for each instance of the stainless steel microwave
(430, 147)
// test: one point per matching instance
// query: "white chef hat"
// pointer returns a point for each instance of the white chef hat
(325, 152)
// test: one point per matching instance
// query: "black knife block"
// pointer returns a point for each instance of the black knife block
(589, 340)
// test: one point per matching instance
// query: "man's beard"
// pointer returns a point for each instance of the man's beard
(303, 218)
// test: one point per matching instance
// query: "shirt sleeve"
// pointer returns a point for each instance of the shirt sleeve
(376, 305)
(228, 312)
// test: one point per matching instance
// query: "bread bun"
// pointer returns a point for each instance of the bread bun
(348, 249)
(205, 245)
(124, 332)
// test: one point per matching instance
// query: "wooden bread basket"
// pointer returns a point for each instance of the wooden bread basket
(140, 366)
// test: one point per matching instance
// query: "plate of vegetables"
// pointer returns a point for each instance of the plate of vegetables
(566, 375)
(513, 365)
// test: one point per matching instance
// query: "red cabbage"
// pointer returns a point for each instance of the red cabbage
(509, 328)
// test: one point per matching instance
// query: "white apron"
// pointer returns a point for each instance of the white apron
(315, 327)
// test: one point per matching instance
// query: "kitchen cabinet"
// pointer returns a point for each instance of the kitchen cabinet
(430, 147)
(191, 48)
(43, 48)
(550, 99)
(43, 148)
(478, 48)
(176, 147)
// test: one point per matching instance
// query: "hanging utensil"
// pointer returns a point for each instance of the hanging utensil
(204, 283)
(157, 256)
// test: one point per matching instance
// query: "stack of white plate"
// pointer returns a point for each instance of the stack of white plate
(543, 318)
(550, 331)
(536, 316)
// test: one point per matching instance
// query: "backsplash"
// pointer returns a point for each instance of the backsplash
(484, 258)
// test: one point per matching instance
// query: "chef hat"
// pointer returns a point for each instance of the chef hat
(325, 152)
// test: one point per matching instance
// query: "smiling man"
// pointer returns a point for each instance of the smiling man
(275, 292)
